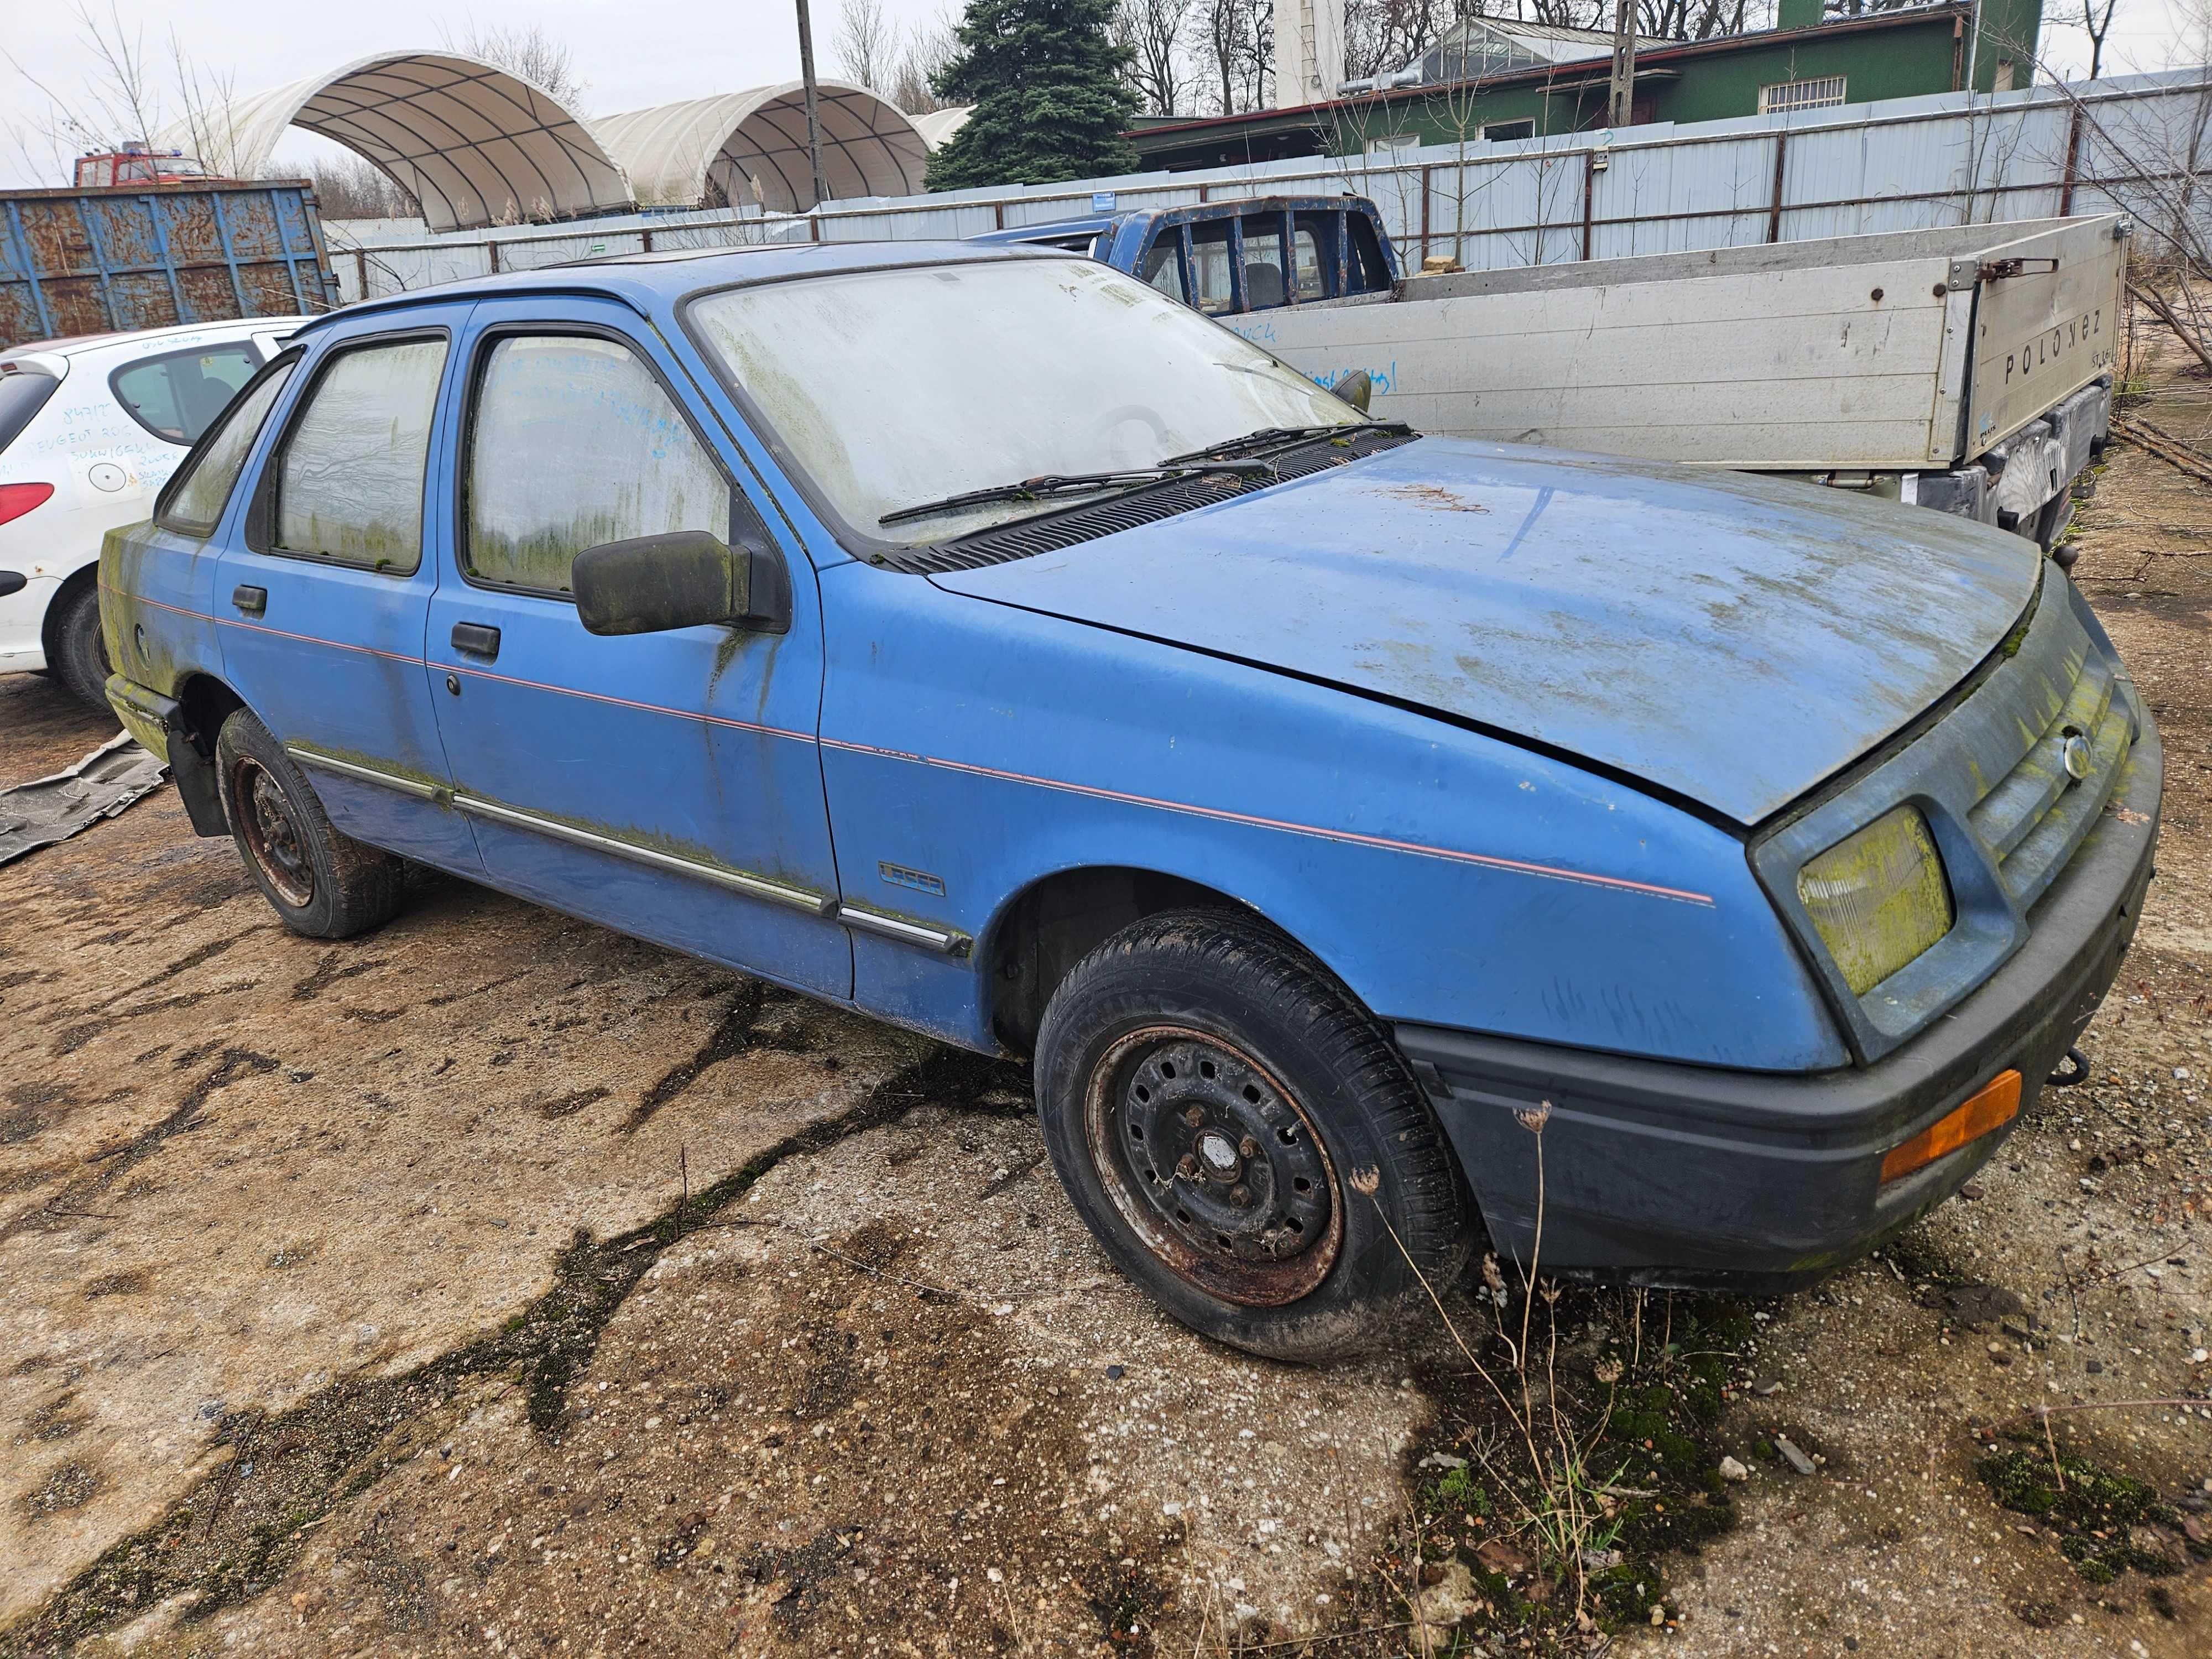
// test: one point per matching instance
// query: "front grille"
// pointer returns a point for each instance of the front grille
(1048, 533)
(2036, 815)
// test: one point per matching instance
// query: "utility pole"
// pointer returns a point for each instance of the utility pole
(814, 116)
(1622, 113)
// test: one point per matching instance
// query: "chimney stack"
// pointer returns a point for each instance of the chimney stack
(1308, 51)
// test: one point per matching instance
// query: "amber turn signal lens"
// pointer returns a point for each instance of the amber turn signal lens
(1993, 1106)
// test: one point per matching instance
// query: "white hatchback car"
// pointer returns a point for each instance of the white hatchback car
(90, 429)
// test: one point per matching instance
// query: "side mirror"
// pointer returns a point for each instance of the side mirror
(651, 584)
(1356, 388)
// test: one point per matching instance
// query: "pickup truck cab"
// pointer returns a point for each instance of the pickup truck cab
(1226, 258)
(1372, 838)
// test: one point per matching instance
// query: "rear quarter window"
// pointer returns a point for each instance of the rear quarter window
(178, 395)
(23, 395)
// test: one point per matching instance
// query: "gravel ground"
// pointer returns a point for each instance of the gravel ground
(495, 1283)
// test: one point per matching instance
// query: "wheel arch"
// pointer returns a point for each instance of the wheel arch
(203, 703)
(84, 576)
(1046, 927)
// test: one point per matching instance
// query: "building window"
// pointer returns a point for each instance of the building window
(1800, 94)
(1395, 143)
(1498, 131)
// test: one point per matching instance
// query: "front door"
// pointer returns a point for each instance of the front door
(321, 601)
(667, 784)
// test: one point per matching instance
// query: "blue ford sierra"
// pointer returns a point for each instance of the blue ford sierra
(1376, 840)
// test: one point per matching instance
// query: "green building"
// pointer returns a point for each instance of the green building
(1494, 79)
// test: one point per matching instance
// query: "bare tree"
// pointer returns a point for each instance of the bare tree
(349, 187)
(1153, 31)
(2096, 23)
(866, 46)
(1235, 42)
(929, 49)
(530, 54)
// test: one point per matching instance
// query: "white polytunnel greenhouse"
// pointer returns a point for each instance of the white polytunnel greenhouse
(741, 147)
(474, 144)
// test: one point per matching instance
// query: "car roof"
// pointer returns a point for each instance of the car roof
(647, 282)
(70, 345)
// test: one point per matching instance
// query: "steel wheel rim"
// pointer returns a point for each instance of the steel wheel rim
(1215, 1165)
(270, 826)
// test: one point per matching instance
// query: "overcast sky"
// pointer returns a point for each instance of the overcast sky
(630, 54)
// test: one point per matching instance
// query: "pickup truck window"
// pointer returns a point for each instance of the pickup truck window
(1264, 288)
(1162, 265)
(573, 442)
(177, 395)
(203, 487)
(349, 478)
(1308, 236)
(1368, 272)
(1209, 258)
(850, 373)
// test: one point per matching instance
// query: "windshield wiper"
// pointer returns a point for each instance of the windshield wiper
(1279, 435)
(1050, 484)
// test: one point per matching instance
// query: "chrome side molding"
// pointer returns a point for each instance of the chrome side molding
(905, 932)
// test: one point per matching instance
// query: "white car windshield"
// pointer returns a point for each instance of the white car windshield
(892, 388)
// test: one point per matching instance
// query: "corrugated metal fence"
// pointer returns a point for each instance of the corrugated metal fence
(2136, 144)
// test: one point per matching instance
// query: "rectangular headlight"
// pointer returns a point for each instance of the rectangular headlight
(1879, 897)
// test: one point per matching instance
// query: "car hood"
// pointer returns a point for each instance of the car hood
(1731, 639)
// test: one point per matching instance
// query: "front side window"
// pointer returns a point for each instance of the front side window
(203, 484)
(178, 396)
(349, 477)
(573, 442)
(1163, 266)
(1210, 269)
(878, 382)
(1264, 286)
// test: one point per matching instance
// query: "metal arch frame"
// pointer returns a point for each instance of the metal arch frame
(678, 149)
(411, 109)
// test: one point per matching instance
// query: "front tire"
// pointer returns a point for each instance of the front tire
(323, 884)
(79, 655)
(1244, 1139)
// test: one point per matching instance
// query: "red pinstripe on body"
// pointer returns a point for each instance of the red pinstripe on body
(1095, 791)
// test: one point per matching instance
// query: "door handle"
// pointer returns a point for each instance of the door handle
(253, 601)
(477, 640)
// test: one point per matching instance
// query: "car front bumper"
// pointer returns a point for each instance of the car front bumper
(1661, 1174)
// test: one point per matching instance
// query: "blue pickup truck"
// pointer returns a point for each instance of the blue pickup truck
(1376, 841)
(1228, 257)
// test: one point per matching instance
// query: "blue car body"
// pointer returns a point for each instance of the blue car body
(1524, 747)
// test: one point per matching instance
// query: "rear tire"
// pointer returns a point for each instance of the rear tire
(324, 884)
(1219, 1106)
(79, 655)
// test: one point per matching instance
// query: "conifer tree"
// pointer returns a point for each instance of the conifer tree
(1046, 77)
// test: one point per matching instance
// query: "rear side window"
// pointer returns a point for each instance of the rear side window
(178, 395)
(572, 442)
(1368, 272)
(23, 393)
(1264, 285)
(195, 500)
(350, 476)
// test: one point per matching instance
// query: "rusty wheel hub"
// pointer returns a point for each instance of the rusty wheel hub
(1216, 1166)
(271, 831)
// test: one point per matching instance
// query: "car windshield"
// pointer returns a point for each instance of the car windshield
(895, 387)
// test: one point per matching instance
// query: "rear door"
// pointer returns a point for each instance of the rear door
(321, 601)
(668, 784)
